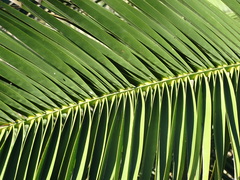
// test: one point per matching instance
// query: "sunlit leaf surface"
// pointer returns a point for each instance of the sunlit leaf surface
(138, 89)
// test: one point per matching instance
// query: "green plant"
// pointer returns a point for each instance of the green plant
(111, 89)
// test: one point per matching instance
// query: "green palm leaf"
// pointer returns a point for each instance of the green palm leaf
(139, 89)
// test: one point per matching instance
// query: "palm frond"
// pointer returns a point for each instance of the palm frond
(119, 90)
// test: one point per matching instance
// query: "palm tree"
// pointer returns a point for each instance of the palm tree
(133, 89)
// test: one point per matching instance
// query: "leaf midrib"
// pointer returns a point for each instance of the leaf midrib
(191, 76)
